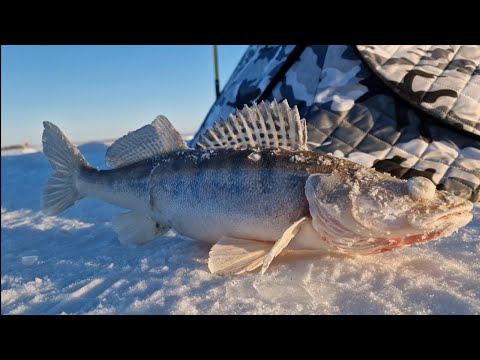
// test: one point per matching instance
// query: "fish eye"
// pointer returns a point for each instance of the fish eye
(421, 188)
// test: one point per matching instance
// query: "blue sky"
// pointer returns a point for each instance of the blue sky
(102, 92)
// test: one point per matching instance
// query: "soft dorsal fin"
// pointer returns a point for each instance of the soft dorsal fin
(157, 138)
(259, 126)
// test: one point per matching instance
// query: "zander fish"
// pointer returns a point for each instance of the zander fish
(252, 188)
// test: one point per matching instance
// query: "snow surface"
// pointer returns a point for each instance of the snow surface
(74, 264)
(20, 151)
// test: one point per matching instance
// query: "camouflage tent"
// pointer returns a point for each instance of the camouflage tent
(408, 110)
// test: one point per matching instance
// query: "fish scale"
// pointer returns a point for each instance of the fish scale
(258, 199)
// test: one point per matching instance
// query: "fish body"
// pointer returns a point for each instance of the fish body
(252, 188)
(209, 193)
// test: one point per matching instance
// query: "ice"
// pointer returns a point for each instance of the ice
(74, 264)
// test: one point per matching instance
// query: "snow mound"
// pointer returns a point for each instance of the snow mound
(74, 264)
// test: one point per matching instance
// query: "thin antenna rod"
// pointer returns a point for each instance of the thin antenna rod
(217, 81)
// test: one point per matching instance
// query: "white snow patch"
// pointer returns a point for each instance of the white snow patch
(29, 260)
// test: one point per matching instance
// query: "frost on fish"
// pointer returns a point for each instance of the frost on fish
(252, 190)
(369, 212)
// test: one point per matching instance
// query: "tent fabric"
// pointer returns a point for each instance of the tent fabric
(355, 110)
(444, 80)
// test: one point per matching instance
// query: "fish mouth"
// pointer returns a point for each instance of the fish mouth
(453, 220)
(441, 225)
(433, 227)
(456, 216)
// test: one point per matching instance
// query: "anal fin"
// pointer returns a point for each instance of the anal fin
(137, 228)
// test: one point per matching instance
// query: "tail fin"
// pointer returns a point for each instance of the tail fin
(60, 192)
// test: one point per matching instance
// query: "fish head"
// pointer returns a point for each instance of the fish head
(365, 211)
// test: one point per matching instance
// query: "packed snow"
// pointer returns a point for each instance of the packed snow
(74, 264)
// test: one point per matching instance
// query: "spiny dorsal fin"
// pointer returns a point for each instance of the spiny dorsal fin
(157, 138)
(259, 126)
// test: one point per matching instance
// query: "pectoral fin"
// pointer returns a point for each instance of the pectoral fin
(282, 243)
(233, 256)
(137, 228)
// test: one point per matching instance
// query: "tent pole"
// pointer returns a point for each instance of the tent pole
(215, 61)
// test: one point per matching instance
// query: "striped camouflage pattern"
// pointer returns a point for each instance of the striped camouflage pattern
(444, 80)
(352, 112)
